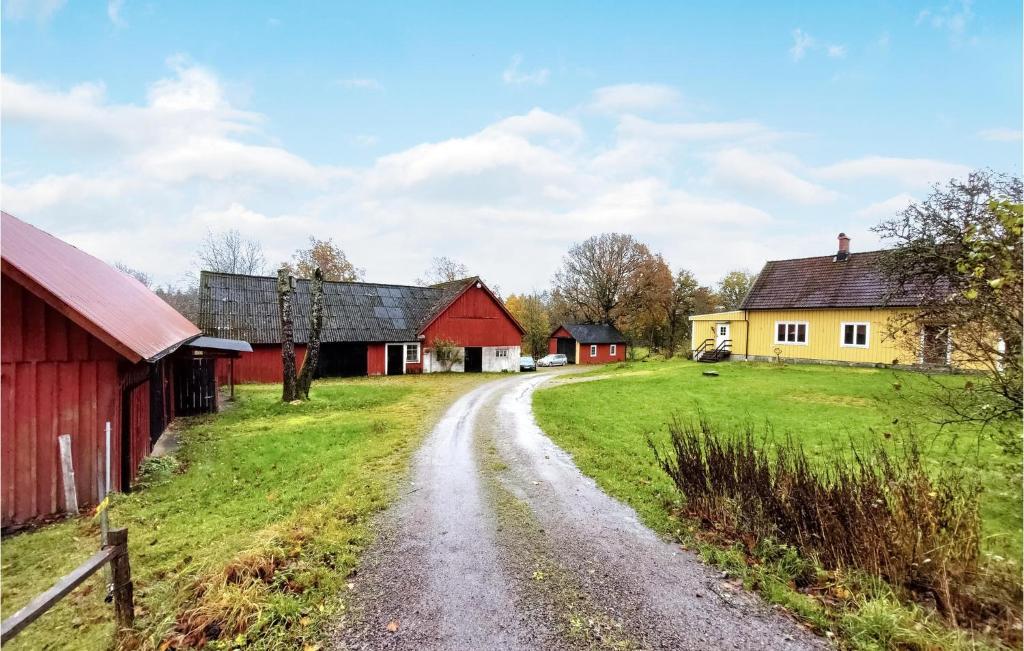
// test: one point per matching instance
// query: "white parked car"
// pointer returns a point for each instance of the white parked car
(553, 360)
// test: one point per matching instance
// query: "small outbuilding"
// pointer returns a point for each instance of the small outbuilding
(85, 346)
(588, 343)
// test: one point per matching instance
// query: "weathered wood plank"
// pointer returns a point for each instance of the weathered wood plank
(30, 612)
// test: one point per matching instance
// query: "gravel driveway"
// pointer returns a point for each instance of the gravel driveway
(499, 542)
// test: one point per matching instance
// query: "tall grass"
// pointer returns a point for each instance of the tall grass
(875, 510)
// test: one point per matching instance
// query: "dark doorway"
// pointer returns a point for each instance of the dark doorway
(195, 387)
(567, 347)
(396, 359)
(935, 345)
(474, 359)
(341, 360)
(126, 441)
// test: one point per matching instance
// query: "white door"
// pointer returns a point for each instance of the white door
(721, 333)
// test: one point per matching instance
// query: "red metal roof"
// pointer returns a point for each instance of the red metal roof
(115, 308)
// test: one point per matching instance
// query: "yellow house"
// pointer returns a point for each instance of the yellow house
(837, 308)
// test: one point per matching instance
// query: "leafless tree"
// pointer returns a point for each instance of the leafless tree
(443, 270)
(229, 252)
(600, 277)
(137, 274)
(296, 386)
(316, 320)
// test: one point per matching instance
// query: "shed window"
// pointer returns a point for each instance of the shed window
(412, 353)
(791, 332)
(593, 350)
(501, 352)
(855, 335)
(612, 348)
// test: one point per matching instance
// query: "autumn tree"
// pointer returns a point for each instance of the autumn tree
(443, 270)
(328, 257)
(229, 252)
(645, 319)
(532, 313)
(961, 250)
(734, 287)
(601, 278)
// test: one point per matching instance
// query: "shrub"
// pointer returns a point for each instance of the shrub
(447, 353)
(878, 511)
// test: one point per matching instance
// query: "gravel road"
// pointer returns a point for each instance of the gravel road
(499, 542)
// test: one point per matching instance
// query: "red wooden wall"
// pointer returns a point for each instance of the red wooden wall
(604, 355)
(55, 378)
(375, 361)
(262, 365)
(474, 319)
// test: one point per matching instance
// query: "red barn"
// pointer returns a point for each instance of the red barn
(588, 344)
(83, 345)
(368, 328)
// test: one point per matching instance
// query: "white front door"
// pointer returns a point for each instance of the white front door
(721, 333)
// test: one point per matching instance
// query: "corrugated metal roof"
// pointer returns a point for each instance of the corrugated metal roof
(245, 307)
(114, 307)
(218, 343)
(594, 334)
(824, 282)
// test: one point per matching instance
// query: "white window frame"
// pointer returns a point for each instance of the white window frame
(418, 350)
(867, 334)
(593, 350)
(612, 349)
(501, 352)
(807, 333)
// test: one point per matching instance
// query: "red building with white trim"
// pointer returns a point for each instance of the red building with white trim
(368, 328)
(588, 344)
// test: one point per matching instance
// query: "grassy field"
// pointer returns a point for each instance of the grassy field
(604, 424)
(254, 523)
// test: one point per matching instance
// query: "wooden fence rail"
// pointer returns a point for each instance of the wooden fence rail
(115, 551)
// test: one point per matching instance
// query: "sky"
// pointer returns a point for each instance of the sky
(719, 134)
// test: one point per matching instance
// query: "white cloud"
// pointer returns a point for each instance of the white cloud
(887, 207)
(836, 51)
(360, 84)
(737, 167)
(1000, 135)
(631, 98)
(914, 172)
(40, 10)
(516, 77)
(802, 41)
(114, 8)
(954, 17)
(632, 126)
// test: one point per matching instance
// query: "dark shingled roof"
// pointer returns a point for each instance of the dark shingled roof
(593, 334)
(823, 282)
(245, 307)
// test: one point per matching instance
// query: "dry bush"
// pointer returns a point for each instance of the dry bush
(878, 511)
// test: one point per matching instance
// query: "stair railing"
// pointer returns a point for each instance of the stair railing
(703, 348)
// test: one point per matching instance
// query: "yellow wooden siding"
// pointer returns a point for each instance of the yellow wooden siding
(824, 336)
(703, 327)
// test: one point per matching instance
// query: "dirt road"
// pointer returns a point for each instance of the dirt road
(499, 542)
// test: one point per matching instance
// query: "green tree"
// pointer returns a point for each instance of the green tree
(734, 287)
(531, 311)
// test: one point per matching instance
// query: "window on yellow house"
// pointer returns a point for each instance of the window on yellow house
(791, 332)
(855, 335)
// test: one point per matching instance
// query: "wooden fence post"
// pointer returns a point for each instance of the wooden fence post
(124, 601)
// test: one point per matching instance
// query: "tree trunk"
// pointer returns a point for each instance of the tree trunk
(284, 304)
(316, 318)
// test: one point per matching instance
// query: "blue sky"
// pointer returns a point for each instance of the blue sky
(722, 134)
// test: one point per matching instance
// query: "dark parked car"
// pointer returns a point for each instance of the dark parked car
(526, 363)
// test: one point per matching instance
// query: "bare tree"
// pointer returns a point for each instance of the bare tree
(137, 274)
(601, 277)
(328, 257)
(443, 270)
(316, 320)
(229, 252)
(961, 250)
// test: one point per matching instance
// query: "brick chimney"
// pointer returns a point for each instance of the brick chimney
(844, 248)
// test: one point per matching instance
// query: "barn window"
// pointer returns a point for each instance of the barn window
(611, 349)
(791, 332)
(593, 350)
(412, 353)
(501, 352)
(854, 335)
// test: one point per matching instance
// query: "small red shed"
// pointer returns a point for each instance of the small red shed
(588, 344)
(83, 345)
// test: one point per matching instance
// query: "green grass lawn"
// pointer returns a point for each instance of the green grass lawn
(604, 424)
(256, 522)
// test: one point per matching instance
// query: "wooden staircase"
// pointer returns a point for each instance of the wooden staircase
(709, 353)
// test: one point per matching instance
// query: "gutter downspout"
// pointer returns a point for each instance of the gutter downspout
(746, 336)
